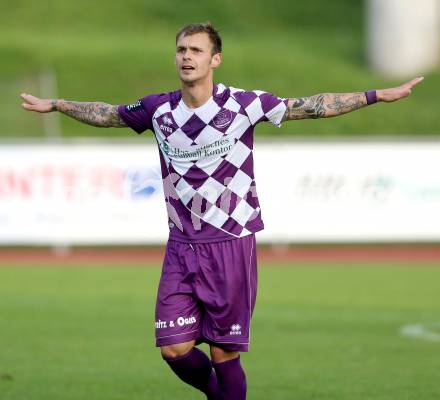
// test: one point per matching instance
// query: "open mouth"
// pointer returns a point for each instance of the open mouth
(188, 67)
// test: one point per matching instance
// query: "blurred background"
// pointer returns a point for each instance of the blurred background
(349, 282)
(370, 176)
(118, 51)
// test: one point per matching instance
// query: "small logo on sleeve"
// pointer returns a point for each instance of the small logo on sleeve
(134, 106)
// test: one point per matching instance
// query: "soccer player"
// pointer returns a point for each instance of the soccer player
(204, 133)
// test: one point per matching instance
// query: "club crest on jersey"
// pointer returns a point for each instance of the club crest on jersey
(134, 106)
(222, 119)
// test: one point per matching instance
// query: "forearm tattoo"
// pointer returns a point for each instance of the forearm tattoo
(95, 114)
(324, 105)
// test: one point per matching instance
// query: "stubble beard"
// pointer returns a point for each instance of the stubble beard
(188, 81)
(192, 81)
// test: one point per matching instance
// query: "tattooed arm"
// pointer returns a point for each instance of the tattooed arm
(328, 105)
(324, 105)
(95, 114)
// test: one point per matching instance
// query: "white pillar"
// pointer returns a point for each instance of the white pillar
(49, 90)
(403, 36)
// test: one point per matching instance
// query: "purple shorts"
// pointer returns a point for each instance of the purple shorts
(207, 293)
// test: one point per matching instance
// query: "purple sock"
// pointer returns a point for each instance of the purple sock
(195, 369)
(231, 379)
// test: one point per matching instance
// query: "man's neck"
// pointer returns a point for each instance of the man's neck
(196, 94)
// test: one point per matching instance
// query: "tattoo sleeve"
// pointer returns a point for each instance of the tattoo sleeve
(95, 114)
(324, 105)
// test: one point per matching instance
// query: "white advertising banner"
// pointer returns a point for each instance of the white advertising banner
(309, 192)
(350, 192)
(81, 194)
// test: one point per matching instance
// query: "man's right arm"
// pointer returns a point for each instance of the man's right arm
(327, 105)
(91, 113)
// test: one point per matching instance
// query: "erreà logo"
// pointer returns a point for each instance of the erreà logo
(235, 329)
(166, 129)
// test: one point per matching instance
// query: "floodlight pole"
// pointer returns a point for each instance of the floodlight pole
(49, 90)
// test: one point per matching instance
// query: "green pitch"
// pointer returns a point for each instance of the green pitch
(318, 333)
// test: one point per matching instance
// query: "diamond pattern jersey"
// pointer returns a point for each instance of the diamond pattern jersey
(206, 158)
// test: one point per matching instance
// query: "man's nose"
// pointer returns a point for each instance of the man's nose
(186, 54)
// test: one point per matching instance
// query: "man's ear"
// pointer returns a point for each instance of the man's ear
(216, 60)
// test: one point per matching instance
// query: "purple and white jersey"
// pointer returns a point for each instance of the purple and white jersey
(206, 158)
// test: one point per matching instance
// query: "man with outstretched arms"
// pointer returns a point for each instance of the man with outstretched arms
(204, 133)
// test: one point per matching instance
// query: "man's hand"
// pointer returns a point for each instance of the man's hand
(397, 93)
(33, 103)
(91, 113)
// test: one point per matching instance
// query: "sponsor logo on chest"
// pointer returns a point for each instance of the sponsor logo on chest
(219, 147)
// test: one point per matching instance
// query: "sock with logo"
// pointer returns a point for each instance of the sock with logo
(231, 379)
(195, 369)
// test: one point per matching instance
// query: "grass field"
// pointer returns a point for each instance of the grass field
(319, 332)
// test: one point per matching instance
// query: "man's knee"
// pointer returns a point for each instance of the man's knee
(219, 355)
(176, 350)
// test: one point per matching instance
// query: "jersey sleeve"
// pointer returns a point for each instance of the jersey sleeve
(262, 106)
(138, 116)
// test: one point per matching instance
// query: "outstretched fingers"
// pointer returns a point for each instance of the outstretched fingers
(409, 85)
(406, 88)
(399, 92)
(28, 98)
(30, 101)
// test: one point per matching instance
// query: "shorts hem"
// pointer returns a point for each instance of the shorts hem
(187, 337)
(228, 346)
(176, 339)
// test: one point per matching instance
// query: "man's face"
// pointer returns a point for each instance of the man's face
(194, 58)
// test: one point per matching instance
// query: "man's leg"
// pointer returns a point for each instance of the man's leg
(227, 288)
(192, 366)
(230, 375)
(179, 319)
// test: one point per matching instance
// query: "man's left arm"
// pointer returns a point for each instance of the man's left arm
(326, 105)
